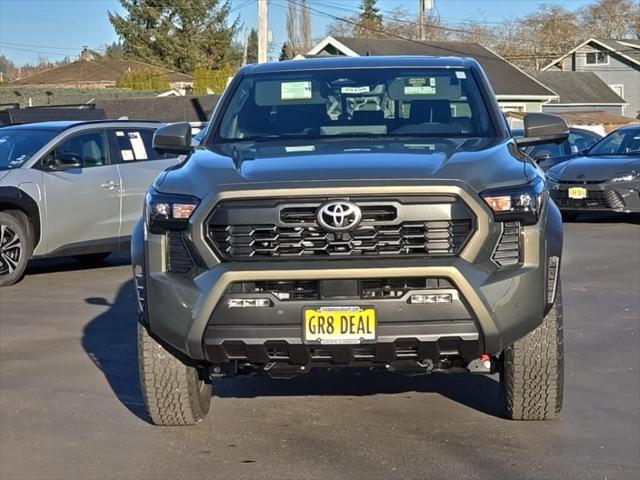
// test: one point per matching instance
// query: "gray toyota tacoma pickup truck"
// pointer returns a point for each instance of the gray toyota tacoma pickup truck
(351, 212)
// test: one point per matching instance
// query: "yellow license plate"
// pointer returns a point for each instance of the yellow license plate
(335, 325)
(577, 193)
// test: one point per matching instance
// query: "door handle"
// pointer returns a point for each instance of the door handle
(110, 185)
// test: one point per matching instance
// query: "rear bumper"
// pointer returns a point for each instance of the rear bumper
(622, 197)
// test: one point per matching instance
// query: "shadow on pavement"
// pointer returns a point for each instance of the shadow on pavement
(66, 264)
(110, 340)
(479, 392)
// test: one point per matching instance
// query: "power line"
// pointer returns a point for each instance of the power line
(551, 55)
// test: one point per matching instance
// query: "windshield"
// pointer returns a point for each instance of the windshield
(383, 102)
(621, 142)
(18, 145)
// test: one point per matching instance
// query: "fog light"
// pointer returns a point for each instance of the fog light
(249, 302)
(420, 298)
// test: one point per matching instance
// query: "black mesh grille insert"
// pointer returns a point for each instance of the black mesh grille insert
(272, 229)
(369, 288)
(178, 257)
(508, 250)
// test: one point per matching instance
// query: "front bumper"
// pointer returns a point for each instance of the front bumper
(501, 303)
(622, 197)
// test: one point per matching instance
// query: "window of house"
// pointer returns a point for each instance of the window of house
(597, 58)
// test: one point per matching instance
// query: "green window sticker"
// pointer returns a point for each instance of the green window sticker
(295, 91)
(420, 86)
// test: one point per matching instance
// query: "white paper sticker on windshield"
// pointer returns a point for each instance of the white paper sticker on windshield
(300, 148)
(363, 89)
(120, 134)
(295, 90)
(138, 146)
(420, 86)
(127, 155)
(461, 75)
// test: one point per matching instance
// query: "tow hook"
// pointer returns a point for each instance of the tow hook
(485, 364)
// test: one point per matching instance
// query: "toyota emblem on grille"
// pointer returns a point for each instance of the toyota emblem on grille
(339, 216)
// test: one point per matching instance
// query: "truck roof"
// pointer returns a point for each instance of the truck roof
(340, 61)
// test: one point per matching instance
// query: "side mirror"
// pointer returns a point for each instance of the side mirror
(63, 161)
(541, 128)
(542, 156)
(173, 138)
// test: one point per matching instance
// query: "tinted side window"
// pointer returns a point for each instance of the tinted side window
(88, 149)
(135, 145)
(581, 141)
(548, 150)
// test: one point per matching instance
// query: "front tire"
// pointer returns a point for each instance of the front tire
(532, 376)
(174, 393)
(16, 246)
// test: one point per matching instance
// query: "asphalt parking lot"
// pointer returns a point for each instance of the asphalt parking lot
(70, 405)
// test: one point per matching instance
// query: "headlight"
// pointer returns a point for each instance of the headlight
(628, 177)
(522, 203)
(168, 212)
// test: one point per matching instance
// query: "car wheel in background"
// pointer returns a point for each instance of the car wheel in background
(532, 375)
(92, 258)
(174, 393)
(15, 248)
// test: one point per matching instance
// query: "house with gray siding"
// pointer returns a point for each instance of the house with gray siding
(515, 89)
(579, 92)
(615, 62)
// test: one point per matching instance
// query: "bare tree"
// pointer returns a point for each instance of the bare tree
(541, 36)
(305, 28)
(292, 28)
(617, 19)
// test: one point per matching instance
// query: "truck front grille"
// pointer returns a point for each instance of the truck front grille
(272, 230)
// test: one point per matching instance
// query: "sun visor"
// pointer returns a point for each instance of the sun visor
(288, 92)
(425, 87)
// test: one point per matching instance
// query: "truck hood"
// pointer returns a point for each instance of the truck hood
(479, 162)
(595, 168)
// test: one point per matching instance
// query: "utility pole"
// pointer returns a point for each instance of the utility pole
(425, 5)
(421, 20)
(263, 35)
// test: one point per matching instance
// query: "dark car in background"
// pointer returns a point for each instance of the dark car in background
(605, 178)
(550, 154)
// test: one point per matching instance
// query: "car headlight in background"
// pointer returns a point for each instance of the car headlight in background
(168, 212)
(627, 177)
(521, 203)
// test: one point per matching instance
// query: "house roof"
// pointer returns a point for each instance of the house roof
(628, 49)
(96, 71)
(163, 109)
(579, 88)
(596, 117)
(507, 79)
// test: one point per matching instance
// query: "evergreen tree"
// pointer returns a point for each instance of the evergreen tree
(285, 52)
(177, 34)
(369, 20)
(252, 46)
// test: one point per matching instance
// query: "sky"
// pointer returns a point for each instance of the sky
(57, 28)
